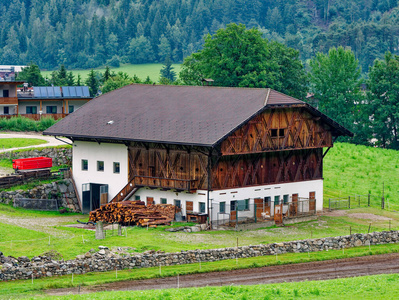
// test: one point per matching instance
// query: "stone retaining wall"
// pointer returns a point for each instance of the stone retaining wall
(104, 260)
(60, 156)
(61, 190)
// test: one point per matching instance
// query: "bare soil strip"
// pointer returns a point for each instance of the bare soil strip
(324, 270)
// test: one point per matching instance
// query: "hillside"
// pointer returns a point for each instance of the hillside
(88, 34)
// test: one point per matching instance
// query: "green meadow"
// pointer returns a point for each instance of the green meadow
(140, 70)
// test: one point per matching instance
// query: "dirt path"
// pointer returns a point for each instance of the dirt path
(45, 225)
(349, 267)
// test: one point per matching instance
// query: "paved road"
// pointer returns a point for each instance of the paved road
(322, 270)
(51, 141)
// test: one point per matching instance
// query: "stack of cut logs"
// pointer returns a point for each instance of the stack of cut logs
(134, 213)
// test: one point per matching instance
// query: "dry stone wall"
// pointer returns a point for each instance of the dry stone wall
(105, 260)
(60, 156)
(61, 190)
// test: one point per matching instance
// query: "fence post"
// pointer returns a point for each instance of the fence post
(349, 202)
(359, 199)
(329, 203)
(369, 199)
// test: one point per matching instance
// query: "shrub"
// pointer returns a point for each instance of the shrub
(25, 124)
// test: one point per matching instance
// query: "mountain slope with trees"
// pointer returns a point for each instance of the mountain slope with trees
(91, 33)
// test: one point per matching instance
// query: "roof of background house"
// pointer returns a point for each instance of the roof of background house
(191, 115)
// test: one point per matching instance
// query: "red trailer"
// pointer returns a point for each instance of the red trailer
(32, 163)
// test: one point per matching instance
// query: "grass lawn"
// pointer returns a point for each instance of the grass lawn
(73, 241)
(6, 143)
(141, 70)
(350, 169)
(367, 287)
(26, 288)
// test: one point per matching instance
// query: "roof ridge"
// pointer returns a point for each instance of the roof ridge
(267, 97)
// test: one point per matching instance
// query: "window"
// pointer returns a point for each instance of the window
(51, 109)
(31, 109)
(6, 110)
(164, 201)
(6, 93)
(222, 207)
(246, 204)
(281, 132)
(273, 132)
(202, 207)
(276, 200)
(267, 201)
(71, 109)
(285, 199)
(233, 205)
(136, 197)
(85, 164)
(178, 203)
(117, 167)
(100, 165)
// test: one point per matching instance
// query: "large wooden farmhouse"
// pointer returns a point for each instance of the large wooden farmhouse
(208, 150)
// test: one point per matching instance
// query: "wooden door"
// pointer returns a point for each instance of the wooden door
(312, 201)
(189, 206)
(278, 214)
(150, 200)
(294, 205)
(259, 208)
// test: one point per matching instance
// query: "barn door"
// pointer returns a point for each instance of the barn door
(103, 194)
(86, 198)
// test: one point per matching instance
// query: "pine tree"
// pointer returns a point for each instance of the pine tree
(167, 70)
(92, 82)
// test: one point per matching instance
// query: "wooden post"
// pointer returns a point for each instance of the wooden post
(349, 202)
(369, 199)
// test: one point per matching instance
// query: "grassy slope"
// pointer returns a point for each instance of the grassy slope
(141, 70)
(19, 142)
(351, 169)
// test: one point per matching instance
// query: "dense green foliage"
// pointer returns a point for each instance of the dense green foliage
(25, 124)
(242, 58)
(91, 33)
(384, 101)
(335, 79)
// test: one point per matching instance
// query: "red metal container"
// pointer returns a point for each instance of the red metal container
(32, 163)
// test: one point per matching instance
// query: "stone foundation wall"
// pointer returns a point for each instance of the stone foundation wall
(104, 260)
(61, 190)
(60, 156)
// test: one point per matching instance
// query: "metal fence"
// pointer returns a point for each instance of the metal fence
(259, 210)
(356, 201)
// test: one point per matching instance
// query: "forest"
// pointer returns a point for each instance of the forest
(91, 33)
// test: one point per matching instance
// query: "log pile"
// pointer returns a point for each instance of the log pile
(134, 213)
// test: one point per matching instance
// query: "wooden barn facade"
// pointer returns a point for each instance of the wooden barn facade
(209, 150)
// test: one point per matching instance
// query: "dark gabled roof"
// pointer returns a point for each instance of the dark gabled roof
(190, 115)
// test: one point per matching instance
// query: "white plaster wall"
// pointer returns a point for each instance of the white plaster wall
(93, 152)
(301, 188)
(23, 104)
(76, 103)
(11, 109)
(12, 91)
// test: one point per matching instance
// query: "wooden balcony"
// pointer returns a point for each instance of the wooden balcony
(155, 182)
(9, 100)
(35, 117)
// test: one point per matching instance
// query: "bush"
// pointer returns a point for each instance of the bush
(26, 124)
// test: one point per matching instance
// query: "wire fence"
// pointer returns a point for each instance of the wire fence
(356, 201)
